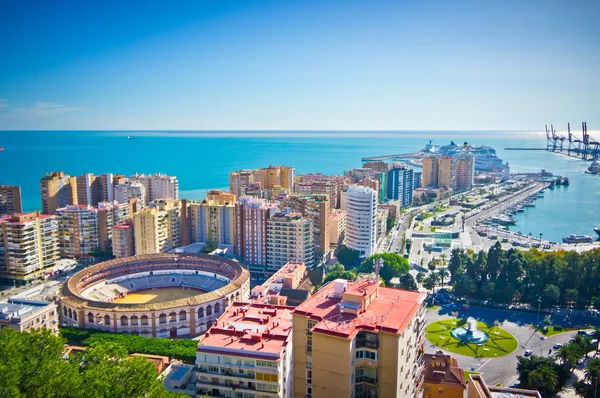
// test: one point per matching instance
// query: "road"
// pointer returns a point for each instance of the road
(501, 369)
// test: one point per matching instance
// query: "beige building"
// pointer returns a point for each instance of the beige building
(10, 199)
(247, 353)
(382, 215)
(359, 339)
(29, 244)
(448, 172)
(110, 214)
(57, 190)
(157, 186)
(125, 191)
(157, 228)
(323, 184)
(27, 315)
(123, 242)
(337, 228)
(273, 179)
(213, 218)
(465, 172)
(289, 238)
(442, 377)
(77, 230)
(251, 217)
(316, 208)
(92, 189)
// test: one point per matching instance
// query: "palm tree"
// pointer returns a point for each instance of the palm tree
(596, 336)
(442, 273)
(543, 378)
(569, 355)
(592, 370)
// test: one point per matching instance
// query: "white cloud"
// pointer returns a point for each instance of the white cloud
(41, 109)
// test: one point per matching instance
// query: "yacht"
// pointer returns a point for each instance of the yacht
(577, 239)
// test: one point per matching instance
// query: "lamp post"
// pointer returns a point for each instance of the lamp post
(541, 234)
(539, 305)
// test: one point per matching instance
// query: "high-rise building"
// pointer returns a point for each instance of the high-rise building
(251, 217)
(124, 191)
(316, 208)
(272, 178)
(322, 184)
(213, 218)
(381, 223)
(429, 173)
(158, 186)
(157, 228)
(289, 239)
(247, 353)
(92, 189)
(110, 214)
(77, 230)
(465, 172)
(371, 177)
(123, 242)
(10, 199)
(57, 190)
(28, 245)
(361, 217)
(359, 339)
(447, 172)
(337, 228)
(400, 185)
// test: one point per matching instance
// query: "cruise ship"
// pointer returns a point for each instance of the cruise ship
(577, 239)
(485, 156)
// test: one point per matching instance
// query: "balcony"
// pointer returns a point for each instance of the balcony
(367, 380)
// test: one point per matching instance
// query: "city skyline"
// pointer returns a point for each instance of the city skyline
(285, 66)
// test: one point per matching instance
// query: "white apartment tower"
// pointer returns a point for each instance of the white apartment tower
(361, 218)
(126, 190)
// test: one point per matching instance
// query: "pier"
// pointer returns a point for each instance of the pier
(413, 155)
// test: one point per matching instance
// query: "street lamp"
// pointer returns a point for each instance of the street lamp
(541, 234)
(539, 305)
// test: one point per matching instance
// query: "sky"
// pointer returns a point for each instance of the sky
(299, 65)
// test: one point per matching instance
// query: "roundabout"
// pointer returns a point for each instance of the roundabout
(471, 338)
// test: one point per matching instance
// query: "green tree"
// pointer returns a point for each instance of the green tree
(338, 271)
(455, 263)
(211, 244)
(348, 257)
(543, 374)
(394, 265)
(551, 293)
(543, 379)
(442, 273)
(407, 281)
(569, 355)
(390, 222)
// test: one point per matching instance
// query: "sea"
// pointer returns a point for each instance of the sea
(202, 160)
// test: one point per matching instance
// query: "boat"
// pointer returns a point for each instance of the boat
(503, 220)
(529, 204)
(594, 168)
(131, 138)
(597, 230)
(577, 239)
(1, 148)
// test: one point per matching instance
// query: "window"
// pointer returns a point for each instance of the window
(266, 364)
(440, 390)
(134, 320)
(144, 320)
(309, 361)
(162, 318)
(308, 392)
(267, 387)
(365, 354)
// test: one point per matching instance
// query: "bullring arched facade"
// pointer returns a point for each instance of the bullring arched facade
(183, 317)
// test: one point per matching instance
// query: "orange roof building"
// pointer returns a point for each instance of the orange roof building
(248, 350)
(443, 377)
(359, 339)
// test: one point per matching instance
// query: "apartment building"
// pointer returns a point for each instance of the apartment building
(442, 377)
(361, 220)
(478, 388)
(123, 239)
(337, 228)
(358, 339)
(77, 230)
(400, 185)
(251, 217)
(124, 191)
(289, 238)
(213, 218)
(381, 223)
(57, 190)
(318, 183)
(27, 315)
(371, 177)
(317, 208)
(279, 179)
(10, 199)
(110, 214)
(465, 172)
(380, 166)
(92, 189)
(157, 228)
(28, 245)
(157, 186)
(247, 353)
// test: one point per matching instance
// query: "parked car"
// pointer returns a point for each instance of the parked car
(582, 332)
(557, 346)
(528, 353)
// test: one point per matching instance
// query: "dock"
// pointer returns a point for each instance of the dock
(413, 155)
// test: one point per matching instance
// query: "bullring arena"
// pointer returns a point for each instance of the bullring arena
(155, 295)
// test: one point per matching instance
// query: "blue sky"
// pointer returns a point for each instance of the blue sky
(286, 65)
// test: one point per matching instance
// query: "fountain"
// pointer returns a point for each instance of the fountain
(469, 333)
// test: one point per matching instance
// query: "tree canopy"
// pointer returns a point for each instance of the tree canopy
(394, 265)
(32, 366)
(348, 257)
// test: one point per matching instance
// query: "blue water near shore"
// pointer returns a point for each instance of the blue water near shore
(202, 160)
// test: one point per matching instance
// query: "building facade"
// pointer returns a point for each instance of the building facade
(442, 377)
(123, 239)
(251, 217)
(124, 191)
(400, 185)
(247, 353)
(337, 228)
(28, 245)
(57, 190)
(157, 228)
(465, 173)
(157, 186)
(323, 184)
(26, 315)
(357, 339)
(10, 199)
(213, 218)
(289, 239)
(109, 215)
(77, 230)
(361, 219)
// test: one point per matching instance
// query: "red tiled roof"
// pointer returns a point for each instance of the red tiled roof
(390, 311)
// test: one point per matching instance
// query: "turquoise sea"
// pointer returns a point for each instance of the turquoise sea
(202, 160)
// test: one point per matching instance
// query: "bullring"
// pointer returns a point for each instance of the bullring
(155, 295)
